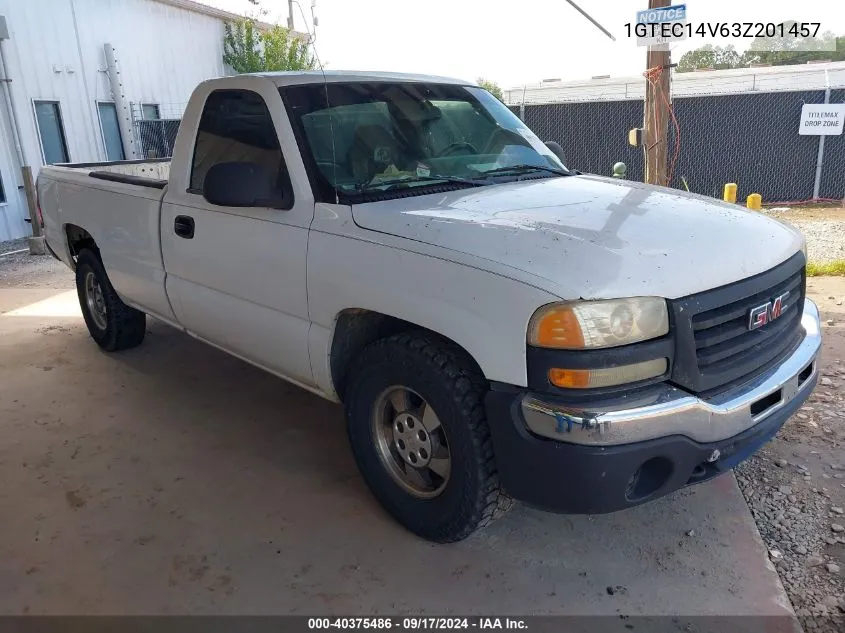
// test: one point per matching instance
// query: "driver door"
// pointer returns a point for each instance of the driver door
(236, 275)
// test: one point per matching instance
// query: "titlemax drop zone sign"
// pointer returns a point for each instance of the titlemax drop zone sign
(822, 119)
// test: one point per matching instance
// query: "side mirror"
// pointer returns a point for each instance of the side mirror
(243, 185)
(557, 150)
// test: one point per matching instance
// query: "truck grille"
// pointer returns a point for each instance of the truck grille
(715, 349)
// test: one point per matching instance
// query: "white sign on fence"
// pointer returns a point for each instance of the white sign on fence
(658, 27)
(819, 119)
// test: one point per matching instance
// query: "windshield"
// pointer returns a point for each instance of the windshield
(365, 139)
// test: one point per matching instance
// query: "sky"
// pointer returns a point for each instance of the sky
(512, 42)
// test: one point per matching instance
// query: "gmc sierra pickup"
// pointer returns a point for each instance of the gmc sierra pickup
(497, 326)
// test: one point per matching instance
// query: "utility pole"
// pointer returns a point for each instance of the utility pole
(656, 112)
(290, 15)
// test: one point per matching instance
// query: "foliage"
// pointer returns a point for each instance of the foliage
(818, 269)
(490, 86)
(284, 51)
(248, 49)
(709, 56)
(719, 57)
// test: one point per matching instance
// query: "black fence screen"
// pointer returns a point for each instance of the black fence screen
(751, 139)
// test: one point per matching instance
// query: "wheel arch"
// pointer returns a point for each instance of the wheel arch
(77, 239)
(355, 328)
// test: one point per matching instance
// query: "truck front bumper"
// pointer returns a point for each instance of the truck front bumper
(604, 458)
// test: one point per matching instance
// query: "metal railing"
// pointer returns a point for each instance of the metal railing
(156, 135)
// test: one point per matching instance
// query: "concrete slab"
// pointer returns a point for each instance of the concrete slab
(39, 301)
(175, 479)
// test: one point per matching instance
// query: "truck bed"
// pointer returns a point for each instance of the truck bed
(119, 205)
(145, 173)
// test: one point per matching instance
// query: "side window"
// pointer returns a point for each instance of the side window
(235, 126)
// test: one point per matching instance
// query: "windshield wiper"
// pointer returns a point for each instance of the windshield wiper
(523, 169)
(388, 185)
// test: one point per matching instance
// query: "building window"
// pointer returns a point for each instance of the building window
(150, 111)
(48, 116)
(2, 192)
(110, 128)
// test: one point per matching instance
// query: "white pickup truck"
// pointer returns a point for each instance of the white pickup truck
(498, 326)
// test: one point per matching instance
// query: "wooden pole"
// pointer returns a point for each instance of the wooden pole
(37, 244)
(29, 188)
(656, 112)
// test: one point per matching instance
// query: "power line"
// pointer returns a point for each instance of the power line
(591, 19)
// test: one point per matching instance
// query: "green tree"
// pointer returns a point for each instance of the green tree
(761, 52)
(788, 50)
(248, 49)
(490, 86)
(709, 56)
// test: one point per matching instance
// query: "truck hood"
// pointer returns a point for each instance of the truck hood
(594, 237)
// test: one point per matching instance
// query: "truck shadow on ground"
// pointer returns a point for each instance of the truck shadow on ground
(225, 489)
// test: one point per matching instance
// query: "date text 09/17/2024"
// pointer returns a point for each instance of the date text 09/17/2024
(723, 29)
(416, 623)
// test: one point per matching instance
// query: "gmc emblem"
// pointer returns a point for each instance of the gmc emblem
(759, 316)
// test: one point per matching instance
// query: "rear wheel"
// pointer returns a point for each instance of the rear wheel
(416, 420)
(112, 324)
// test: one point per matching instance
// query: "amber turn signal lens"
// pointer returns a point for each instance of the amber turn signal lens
(570, 378)
(608, 376)
(558, 327)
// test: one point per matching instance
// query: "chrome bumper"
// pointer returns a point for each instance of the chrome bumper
(674, 411)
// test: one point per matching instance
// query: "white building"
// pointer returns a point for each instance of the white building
(815, 76)
(58, 104)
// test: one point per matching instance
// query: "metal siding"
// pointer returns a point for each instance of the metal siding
(733, 81)
(163, 51)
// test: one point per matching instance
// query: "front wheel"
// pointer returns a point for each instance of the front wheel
(416, 421)
(112, 324)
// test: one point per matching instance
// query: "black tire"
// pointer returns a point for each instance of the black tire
(124, 326)
(449, 382)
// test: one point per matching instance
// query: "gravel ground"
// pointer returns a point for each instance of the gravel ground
(824, 229)
(22, 270)
(825, 239)
(14, 245)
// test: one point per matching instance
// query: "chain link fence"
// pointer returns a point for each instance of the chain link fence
(748, 136)
(155, 127)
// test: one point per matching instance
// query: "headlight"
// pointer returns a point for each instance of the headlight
(598, 324)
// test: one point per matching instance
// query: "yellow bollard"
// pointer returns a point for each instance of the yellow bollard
(730, 192)
(754, 202)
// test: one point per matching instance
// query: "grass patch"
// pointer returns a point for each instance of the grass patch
(817, 269)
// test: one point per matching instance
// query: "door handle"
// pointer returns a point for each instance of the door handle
(183, 226)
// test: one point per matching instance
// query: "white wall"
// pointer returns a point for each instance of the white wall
(736, 80)
(163, 52)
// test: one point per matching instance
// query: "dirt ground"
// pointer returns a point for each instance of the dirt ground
(173, 478)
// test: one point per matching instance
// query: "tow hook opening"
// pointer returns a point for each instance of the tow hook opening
(650, 477)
